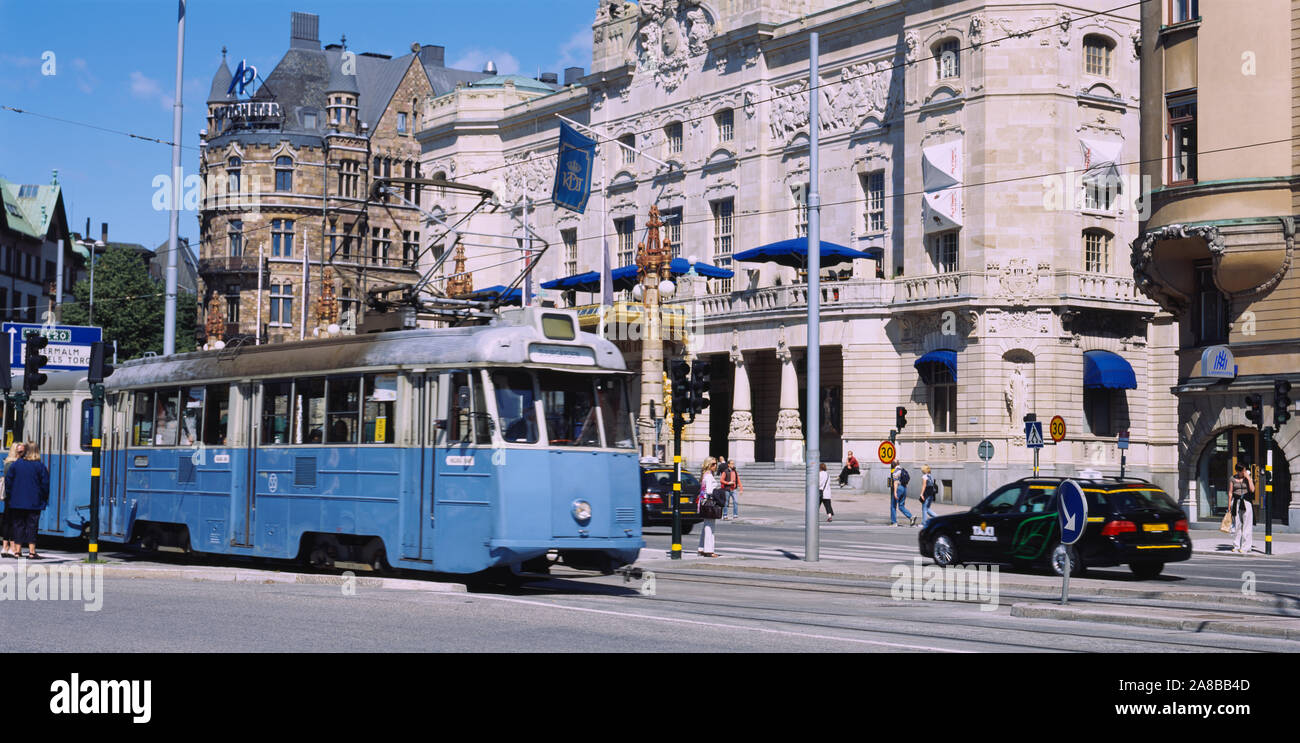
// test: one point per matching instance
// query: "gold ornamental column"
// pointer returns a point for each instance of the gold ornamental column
(652, 261)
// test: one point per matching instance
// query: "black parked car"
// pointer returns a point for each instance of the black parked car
(1130, 522)
(656, 497)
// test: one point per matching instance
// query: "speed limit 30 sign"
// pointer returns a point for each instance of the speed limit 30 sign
(886, 452)
(1057, 428)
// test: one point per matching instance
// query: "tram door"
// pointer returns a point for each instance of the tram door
(244, 484)
(417, 515)
(112, 485)
(463, 468)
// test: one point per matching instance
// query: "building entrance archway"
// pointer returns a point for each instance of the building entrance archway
(1217, 462)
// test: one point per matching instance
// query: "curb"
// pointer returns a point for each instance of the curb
(237, 575)
(1226, 626)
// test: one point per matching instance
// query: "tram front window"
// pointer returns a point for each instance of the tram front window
(614, 411)
(570, 409)
(514, 391)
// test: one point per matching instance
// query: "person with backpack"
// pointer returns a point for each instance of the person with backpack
(900, 478)
(730, 479)
(929, 490)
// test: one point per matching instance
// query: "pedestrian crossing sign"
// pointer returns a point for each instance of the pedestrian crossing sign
(1034, 434)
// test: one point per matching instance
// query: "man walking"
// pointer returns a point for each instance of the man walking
(730, 479)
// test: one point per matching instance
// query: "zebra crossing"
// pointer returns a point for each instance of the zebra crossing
(868, 553)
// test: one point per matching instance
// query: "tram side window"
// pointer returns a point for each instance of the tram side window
(192, 415)
(611, 392)
(343, 401)
(514, 392)
(142, 419)
(87, 424)
(275, 412)
(166, 420)
(460, 418)
(381, 399)
(570, 409)
(216, 414)
(309, 412)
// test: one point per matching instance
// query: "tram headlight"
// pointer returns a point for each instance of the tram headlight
(581, 511)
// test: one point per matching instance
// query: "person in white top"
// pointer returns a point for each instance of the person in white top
(824, 486)
(708, 483)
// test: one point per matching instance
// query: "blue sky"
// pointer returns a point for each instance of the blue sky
(114, 67)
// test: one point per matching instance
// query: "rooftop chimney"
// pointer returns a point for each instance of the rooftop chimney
(103, 232)
(550, 78)
(433, 55)
(304, 31)
(572, 75)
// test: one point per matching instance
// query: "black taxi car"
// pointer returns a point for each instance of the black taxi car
(1130, 522)
(657, 494)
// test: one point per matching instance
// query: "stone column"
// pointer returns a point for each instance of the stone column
(740, 437)
(789, 429)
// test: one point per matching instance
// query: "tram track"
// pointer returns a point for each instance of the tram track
(938, 630)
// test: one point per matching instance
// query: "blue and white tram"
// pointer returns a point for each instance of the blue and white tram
(451, 450)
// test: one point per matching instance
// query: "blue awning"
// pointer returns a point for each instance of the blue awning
(926, 364)
(794, 253)
(625, 277)
(1108, 371)
(508, 296)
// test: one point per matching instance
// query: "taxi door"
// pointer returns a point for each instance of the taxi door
(991, 524)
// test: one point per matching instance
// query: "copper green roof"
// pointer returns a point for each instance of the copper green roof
(520, 82)
(29, 210)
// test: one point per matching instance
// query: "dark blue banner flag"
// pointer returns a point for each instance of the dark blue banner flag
(573, 170)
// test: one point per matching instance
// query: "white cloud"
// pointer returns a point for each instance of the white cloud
(146, 88)
(576, 52)
(474, 59)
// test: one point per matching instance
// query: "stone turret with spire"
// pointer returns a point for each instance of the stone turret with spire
(217, 95)
(342, 96)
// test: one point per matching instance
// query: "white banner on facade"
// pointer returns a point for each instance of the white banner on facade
(941, 166)
(1100, 159)
(941, 210)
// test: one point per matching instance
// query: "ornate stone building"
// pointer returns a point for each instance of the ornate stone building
(288, 172)
(1218, 249)
(981, 150)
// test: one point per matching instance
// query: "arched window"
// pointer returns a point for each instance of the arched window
(1098, 52)
(234, 166)
(1096, 251)
(947, 59)
(725, 120)
(629, 154)
(674, 137)
(284, 173)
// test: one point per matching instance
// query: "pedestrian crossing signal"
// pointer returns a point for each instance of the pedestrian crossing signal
(1255, 409)
(900, 417)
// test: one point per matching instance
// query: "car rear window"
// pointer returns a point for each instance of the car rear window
(1143, 499)
(663, 480)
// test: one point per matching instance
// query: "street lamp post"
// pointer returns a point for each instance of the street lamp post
(93, 248)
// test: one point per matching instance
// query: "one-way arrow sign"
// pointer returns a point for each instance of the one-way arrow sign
(1073, 513)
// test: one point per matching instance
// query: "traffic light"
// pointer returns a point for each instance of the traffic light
(900, 417)
(1255, 409)
(680, 372)
(99, 366)
(1281, 402)
(700, 384)
(6, 374)
(35, 361)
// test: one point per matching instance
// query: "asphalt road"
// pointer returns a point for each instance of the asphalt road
(884, 545)
(688, 609)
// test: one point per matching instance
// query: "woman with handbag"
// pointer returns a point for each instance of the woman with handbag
(27, 493)
(10, 549)
(1243, 492)
(708, 507)
(824, 487)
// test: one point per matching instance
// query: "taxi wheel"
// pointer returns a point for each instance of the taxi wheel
(1146, 570)
(944, 551)
(1077, 567)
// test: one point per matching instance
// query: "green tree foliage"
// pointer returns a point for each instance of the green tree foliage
(130, 306)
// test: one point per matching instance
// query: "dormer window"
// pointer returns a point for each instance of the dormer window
(947, 59)
(309, 121)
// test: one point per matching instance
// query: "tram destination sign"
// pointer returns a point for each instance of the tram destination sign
(69, 348)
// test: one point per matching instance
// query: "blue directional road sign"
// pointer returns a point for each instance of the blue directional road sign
(1073, 511)
(1034, 434)
(69, 348)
